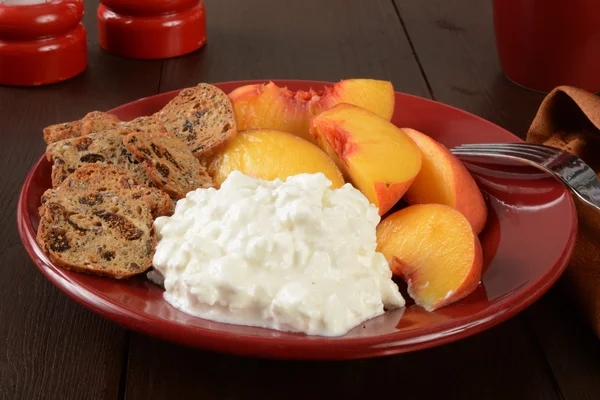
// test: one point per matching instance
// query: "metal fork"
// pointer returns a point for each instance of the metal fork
(568, 168)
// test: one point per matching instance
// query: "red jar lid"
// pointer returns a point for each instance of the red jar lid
(41, 43)
(151, 29)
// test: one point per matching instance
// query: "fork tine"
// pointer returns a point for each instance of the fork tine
(534, 148)
(498, 152)
(550, 151)
(521, 149)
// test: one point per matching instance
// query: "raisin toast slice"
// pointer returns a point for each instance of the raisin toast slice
(91, 122)
(100, 178)
(97, 122)
(202, 117)
(140, 124)
(66, 130)
(105, 148)
(113, 236)
(99, 222)
(168, 162)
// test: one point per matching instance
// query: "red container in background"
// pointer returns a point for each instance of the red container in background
(150, 29)
(41, 43)
(546, 43)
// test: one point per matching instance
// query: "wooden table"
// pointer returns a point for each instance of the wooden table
(53, 348)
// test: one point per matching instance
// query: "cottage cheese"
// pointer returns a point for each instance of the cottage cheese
(290, 255)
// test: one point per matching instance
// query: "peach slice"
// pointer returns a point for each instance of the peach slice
(434, 249)
(372, 153)
(374, 95)
(443, 179)
(270, 154)
(270, 106)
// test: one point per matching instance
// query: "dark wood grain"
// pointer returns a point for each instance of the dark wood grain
(51, 347)
(455, 45)
(457, 53)
(482, 367)
(310, 39)
(261, 40)
(570, 346)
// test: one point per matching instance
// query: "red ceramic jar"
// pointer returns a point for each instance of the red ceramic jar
(41, 43)
(546, 43)
(150, 29)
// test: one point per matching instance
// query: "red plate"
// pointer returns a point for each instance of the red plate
(527, 243)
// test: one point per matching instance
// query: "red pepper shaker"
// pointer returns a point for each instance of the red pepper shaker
(41, 41)
(151, 29)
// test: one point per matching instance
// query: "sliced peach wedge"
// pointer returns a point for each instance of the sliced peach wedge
(375, 95)
(270, 106)
(443, 179)
(270, 154)
(434, 249)
(372, 153)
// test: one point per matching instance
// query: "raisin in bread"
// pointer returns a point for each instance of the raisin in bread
(169, 163)
(103, 148)
(202, 117)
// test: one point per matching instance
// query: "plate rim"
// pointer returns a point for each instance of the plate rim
(337, 348)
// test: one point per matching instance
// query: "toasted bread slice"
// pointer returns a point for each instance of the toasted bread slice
(105, 148)
(97, 122)
(99, 222)
(202, 117)
(169, 163)
(112, 236)
(101, 178)
(92, 122)
(66, 130)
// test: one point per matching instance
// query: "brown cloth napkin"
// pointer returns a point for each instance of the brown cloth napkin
(569, 118)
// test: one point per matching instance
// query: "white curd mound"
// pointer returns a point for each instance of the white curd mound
(291, 255)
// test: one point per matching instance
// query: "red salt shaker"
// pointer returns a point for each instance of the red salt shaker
(151, 29)
(41, 41)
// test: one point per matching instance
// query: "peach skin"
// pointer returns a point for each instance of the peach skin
(270, 106)
(434, 249)
(372, 153)
(443, 179)
(270, 154)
